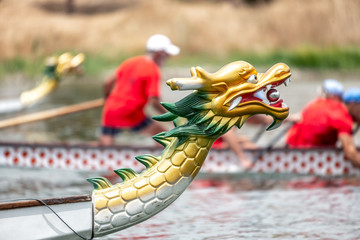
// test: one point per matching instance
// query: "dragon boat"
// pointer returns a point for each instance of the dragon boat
(315, 161)
(55, 68)
(218, 102)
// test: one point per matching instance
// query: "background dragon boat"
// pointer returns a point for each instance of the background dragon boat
(55, 68)
(317, 161)
(220, 101)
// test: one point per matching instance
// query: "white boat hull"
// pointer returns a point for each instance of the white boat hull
(10, 105)
(39, 222)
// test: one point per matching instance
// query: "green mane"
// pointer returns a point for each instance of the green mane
(201, 121)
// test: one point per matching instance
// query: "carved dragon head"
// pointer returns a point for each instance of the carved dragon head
(227, 98)
(65, 64)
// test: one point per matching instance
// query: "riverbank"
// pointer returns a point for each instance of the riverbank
(311, 34)
(330, 58)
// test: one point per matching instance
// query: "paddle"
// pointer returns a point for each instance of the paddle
(278, 136)
(356, 129)
(272, 142)
(259, 133)
(52, 113)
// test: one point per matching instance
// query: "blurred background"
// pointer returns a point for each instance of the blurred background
(317, 39)
(304, 33)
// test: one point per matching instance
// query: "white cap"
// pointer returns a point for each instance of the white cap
(159, 42)
(333, 87)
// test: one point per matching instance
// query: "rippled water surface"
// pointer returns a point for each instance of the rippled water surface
(224, 213)
(222, 206)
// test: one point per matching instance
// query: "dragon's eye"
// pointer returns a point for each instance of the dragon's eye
(253, 79)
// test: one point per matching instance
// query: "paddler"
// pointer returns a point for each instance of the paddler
(135, 84)
(327, 120)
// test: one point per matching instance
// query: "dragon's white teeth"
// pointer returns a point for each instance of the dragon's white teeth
(266, 102)
(235, 103)
(260, 94)
(287, 81)
(268, 87)
(283, 105)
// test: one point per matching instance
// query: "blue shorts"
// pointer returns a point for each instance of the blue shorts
(114, 130)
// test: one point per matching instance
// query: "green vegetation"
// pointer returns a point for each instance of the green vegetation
(93, 65)
(27, 66)
(308, 57)
(304, 57)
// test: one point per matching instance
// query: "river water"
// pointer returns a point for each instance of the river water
(220, 207)
(224, 212)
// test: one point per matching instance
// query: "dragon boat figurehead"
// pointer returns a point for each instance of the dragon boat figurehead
(236, 92)
(69, 64)
(55, 68)
(219, 101)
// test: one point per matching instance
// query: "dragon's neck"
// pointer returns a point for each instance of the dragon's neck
(50, 73)
(141, 196)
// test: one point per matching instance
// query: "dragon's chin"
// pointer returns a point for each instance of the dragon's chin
(275, 124)
(277, 111)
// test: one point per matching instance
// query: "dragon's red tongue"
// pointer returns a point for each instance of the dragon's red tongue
(278, 104)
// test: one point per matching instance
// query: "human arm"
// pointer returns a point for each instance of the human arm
(108, 85)
(231, 140)
(349, 148)
(154, 102)
(260, 119)
(293, 118)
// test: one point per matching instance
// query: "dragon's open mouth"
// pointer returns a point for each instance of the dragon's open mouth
(268, 94)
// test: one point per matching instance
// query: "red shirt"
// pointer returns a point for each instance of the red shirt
(138, 79)
(219, 143)
(321, 123)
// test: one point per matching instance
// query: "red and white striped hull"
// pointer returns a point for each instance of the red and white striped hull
(87, 158)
